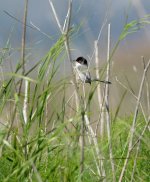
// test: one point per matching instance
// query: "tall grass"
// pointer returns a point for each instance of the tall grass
(47, 133)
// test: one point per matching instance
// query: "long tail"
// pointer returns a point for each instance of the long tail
(103, 81)
(107, 82)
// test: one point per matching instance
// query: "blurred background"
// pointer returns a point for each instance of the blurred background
(89, 16)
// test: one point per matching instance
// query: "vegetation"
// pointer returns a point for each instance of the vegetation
(47, 133)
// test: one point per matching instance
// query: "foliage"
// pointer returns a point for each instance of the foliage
(47, 146)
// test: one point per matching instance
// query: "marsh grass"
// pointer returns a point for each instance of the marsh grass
(40, 135)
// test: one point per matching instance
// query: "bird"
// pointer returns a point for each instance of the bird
(81, 69)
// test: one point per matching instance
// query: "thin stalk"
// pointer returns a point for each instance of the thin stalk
(33, 27)
(130, 91)
(56, 17)
(82, 145)
(65, 32)
(99, 95)
(137, 149)
(24, 37)
(25, 114)
(101, 109)
(140, 137)
(37, 174)
(132, 130)
(25, 106)
(100, 165)
(107, 107)
(147, 89)
(23, 42)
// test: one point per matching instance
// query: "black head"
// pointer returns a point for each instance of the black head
(82, 61)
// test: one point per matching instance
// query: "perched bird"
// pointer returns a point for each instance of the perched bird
(81, 68)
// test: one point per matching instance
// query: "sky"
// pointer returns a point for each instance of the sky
(87, 14)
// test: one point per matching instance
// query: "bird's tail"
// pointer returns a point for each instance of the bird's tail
(103, 81)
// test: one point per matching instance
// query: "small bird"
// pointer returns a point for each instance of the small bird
(81, 68)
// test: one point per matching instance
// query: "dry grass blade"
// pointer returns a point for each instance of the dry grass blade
(138, 142)
(130, 91)
(100, 99)
(132, 130)
(107, 107)
(23, 44)
(56, 17)
(65, 31)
